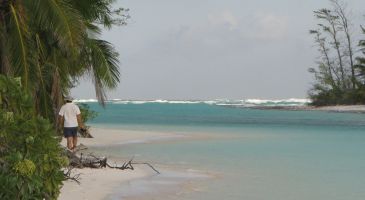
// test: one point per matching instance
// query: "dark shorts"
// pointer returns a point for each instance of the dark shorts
(70, 132)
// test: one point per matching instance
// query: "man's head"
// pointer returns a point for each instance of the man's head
(69, 99)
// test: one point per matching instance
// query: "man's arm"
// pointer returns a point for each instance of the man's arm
(61, 118)
(79, 121)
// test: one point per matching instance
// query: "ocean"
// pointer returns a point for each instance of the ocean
(254, 154)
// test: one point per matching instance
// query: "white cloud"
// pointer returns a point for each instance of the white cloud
(225, 18)
(260, 26)
(225, 34)
(224, 31)
(270, 26)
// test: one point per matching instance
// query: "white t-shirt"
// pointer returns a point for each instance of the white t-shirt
(70, 111)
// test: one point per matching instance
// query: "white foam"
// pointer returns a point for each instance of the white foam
(159, 101)
(184, 102)
(128, 102)
(85, 100)
(282, 101)
(218, 102)
(154, 101)
(210, 102)
(138, 102)
(259, 102)
(120, 102)
(230, 104)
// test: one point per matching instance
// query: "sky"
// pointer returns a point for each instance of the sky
(216, 49)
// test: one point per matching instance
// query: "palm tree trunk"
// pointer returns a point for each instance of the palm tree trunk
(4, 59)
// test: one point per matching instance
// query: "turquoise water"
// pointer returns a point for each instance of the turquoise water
(258, 154)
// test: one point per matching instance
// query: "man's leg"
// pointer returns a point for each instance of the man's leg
(74, 142)
(70, 143)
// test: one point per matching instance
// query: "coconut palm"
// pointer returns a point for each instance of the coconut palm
(51, 44)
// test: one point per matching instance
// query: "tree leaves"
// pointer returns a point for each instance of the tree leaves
(25, 140)
(337, 78)
(101, 60)
(20, 35)
(51, 44)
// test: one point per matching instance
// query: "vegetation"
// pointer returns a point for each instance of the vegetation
(30, 154)
(86, 113)
(338, 77)
(50, 45)
(361, 63)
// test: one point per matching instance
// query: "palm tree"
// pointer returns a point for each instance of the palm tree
(51, 44)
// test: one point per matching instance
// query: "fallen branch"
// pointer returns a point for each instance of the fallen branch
(68, 176)
(145, 163)
(85, 133)
(92, 161)
(126, 165)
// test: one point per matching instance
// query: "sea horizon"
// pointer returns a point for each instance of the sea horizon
(224, 101)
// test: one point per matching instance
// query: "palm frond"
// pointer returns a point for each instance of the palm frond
(19, 43)
(101, 12)
(103, 63)
(59, 17)
(52, 43)
(43, 97)
(4, 54)
(92, 30)
(95, 11)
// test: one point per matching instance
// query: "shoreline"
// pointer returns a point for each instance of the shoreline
(109, 183)
(100, 183)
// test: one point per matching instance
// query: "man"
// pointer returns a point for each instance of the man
(70, 118)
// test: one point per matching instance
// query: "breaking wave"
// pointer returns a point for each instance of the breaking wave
(85, 100)
(218, 102)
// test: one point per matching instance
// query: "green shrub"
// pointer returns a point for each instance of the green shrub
(333, 97)
(86, 113)
(31, 158)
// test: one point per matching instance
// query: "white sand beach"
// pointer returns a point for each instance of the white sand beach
(343, 108)
(336, 108)
(99, 183)
(106, 137)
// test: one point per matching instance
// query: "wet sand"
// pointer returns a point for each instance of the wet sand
(98, 184)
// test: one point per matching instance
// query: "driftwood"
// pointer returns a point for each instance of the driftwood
(81, 160)
(92, 161)
(129, 165)
(68, 175)
(85, 133)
